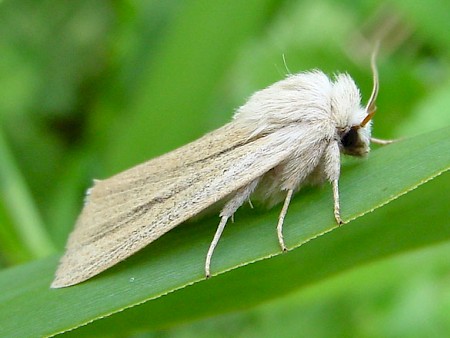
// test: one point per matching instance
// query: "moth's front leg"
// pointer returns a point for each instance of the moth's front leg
(337, 207)
(332, 169)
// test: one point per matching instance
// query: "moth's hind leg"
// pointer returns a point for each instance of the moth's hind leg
(228, 211)
(213, 244)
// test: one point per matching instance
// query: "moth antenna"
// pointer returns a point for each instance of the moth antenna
(371, 106)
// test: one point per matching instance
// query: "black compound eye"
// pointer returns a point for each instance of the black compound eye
(350, 139)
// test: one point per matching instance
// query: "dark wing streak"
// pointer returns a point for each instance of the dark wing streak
(150, 172)
(238, 168)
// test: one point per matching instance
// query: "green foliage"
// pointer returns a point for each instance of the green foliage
(90, 88)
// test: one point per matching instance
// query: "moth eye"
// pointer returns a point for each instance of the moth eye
(350, 139)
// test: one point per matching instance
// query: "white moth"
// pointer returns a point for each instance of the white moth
(287, 135)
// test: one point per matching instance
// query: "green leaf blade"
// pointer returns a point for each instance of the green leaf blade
(176, 260)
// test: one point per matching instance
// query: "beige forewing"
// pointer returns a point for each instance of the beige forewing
(128, 211)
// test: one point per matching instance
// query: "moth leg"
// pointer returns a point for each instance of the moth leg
(214, 242)
(283, 213)
(381, 141)
(228, 211)
(337, 207)
(332, 170)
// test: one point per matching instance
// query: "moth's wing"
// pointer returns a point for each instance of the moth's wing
(125, 213)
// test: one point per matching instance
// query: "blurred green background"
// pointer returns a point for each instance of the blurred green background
(89, 88)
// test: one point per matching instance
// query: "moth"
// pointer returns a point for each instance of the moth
(287, 135)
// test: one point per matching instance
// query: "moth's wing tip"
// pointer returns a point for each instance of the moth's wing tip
(57, 284)
(69, 273)
(61, 282)
(68, 278)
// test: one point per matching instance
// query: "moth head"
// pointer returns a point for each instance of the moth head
(355, 135)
